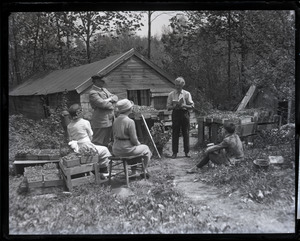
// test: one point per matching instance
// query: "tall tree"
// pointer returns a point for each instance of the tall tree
(89, 24)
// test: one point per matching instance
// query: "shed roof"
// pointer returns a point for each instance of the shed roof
(77, 78)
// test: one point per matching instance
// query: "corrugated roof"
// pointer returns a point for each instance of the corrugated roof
(60, 80)
(76, 78)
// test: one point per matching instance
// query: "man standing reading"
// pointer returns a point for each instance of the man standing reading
(180, 102)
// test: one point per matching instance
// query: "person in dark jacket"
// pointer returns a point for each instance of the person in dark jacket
(102, 101)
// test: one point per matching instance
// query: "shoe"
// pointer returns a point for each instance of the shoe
(187, 155)
(174, 156)
(147, 175)
(193, 170)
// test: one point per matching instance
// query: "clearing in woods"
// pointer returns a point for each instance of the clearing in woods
(227, 213)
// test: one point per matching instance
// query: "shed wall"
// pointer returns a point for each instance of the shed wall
(133, 74)
(32, 106)
(29, 106)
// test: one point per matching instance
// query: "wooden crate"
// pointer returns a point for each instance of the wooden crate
(71, 162)
(19, 165)
(85, 174)
(46, 183)
(43, 154)
(46, 180)
(246, 129)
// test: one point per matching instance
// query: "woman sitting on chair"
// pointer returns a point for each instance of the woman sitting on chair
(126, 142)
(80, 136)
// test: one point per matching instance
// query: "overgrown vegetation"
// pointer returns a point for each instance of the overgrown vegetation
(156, 207)
(48, 133)
(258, 184)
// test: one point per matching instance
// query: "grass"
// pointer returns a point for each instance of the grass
(156, 207)
(262, 186)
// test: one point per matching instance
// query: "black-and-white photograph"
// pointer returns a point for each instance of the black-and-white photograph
(152, 122)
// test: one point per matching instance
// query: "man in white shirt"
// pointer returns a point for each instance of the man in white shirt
(180, 102)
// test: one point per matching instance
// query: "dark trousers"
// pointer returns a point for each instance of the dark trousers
(203, 161)
(217, 157)
(180, 121)
(102, 136)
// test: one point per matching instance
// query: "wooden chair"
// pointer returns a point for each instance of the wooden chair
(122, 163)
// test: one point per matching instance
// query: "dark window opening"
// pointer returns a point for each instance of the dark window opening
(139, 97)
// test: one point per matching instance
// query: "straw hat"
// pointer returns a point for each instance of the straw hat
(124, 105)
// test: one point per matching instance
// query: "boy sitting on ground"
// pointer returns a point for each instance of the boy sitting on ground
(229, 151)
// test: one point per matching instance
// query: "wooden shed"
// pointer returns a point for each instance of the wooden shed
(130, 75)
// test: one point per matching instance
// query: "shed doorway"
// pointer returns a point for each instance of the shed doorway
(139, 97)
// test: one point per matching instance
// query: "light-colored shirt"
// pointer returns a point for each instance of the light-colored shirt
(124, 128)
(79, 129)
(175, 96)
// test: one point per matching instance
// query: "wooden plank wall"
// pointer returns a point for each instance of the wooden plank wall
(29, 106)
(135, 74)
(32, 106)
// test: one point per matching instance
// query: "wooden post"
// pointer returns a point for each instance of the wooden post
(201, 130)
(126, 172)
(214, 132)
(247, 98)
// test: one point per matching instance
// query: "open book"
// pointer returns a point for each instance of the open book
(180, 101)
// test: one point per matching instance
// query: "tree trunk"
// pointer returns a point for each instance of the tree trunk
(229, 55)
(289, 111)
(149, 34)
(35, 43)
(15, 55)
(60, 59)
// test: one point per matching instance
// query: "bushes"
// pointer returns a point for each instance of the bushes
(26, 133)
(262, 186)
(44, 134)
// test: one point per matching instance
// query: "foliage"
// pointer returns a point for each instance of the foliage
(160, 136)
(156, 207)
(276, 136)
(43, 41)
(46, 133)
(43, 134)
(223, 52)
(257, 184)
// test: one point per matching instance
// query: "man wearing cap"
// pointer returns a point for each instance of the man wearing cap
(102, 101)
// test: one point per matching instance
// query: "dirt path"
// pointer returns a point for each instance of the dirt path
(228, 213)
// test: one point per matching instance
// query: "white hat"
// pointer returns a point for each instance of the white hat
(124, 105)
